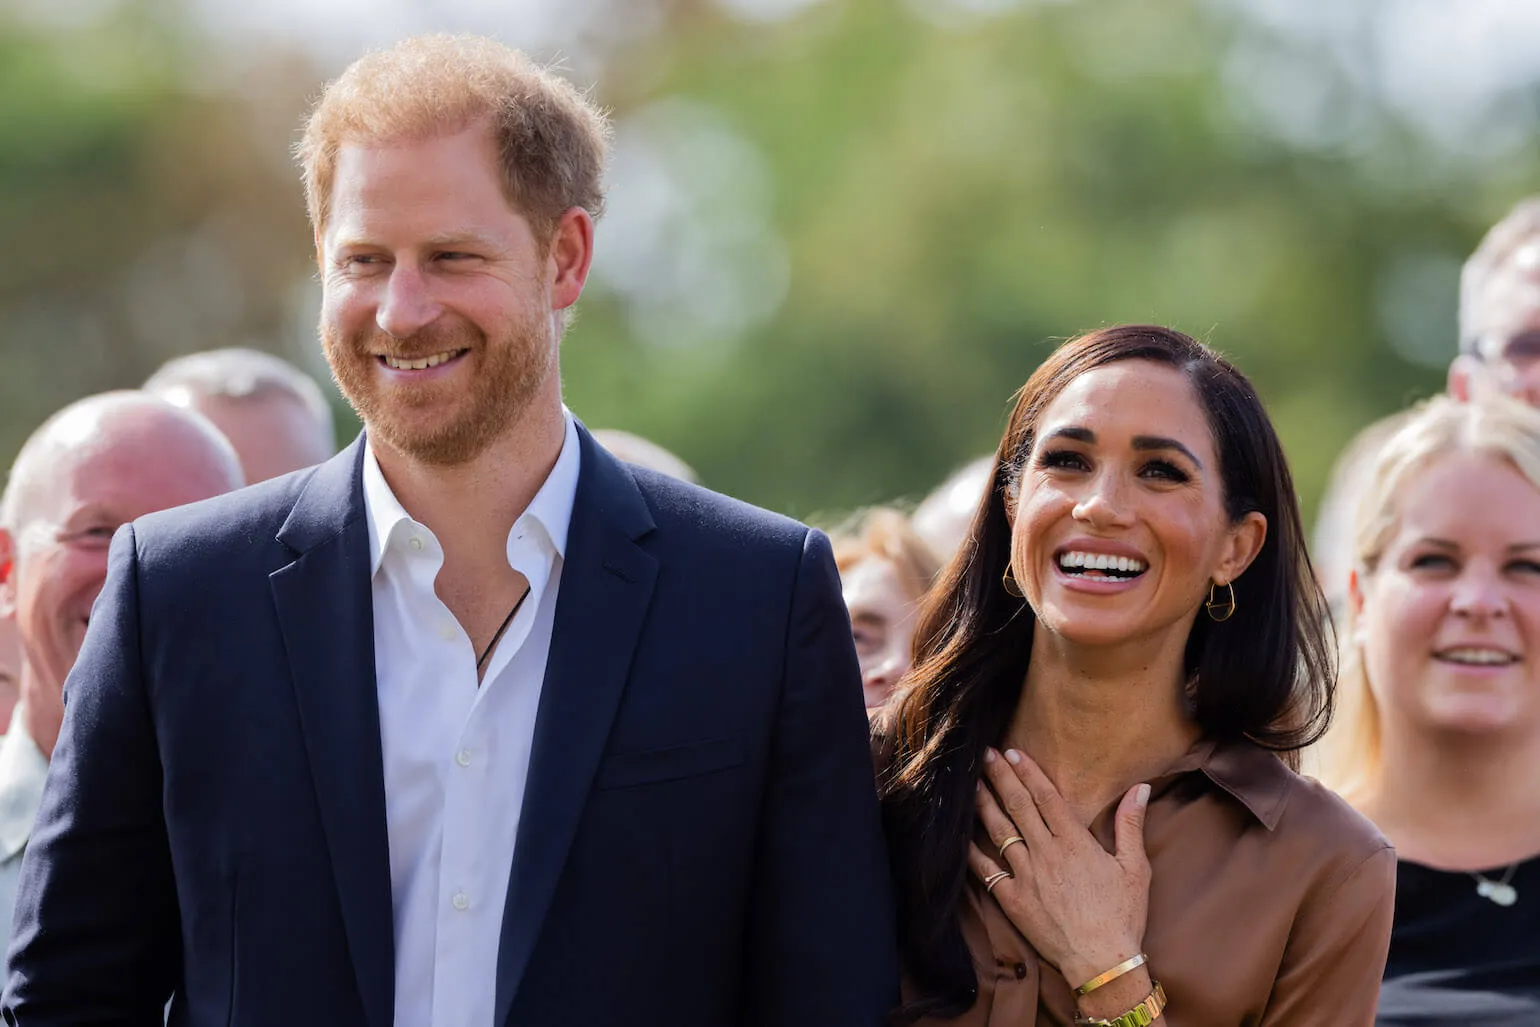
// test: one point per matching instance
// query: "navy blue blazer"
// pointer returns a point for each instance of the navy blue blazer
(700, 842)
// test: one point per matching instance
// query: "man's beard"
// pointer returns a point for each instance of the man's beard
(437, 423)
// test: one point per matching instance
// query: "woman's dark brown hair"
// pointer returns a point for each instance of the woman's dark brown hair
(1265, 674)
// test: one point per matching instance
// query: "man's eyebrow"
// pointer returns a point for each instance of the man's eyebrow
(442, 241)
(1146, 443)
(459, 237)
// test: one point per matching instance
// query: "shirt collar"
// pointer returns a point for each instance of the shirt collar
(551, 508)
(1255, 777)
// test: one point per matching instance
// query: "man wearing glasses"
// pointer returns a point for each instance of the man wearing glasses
(1500, 311)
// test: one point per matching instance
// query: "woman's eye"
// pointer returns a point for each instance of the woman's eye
(866, 641)
(1431, 561)
(1525, 566)
(1063, 458)
(1164, 470)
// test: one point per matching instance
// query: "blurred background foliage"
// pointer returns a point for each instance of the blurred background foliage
(841, 232)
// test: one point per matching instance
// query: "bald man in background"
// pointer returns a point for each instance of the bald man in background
(93, 466)
(275, 415)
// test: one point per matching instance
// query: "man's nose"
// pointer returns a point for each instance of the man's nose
(407, 306)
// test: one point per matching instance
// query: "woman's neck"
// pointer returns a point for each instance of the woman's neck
(1458, 802)
(1099, 721)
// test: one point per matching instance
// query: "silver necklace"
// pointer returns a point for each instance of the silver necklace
(1500, 892)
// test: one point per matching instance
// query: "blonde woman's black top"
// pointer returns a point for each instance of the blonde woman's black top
(1460, 952)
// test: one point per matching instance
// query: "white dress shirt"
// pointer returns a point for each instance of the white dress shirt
(456, 755)
(23, 769)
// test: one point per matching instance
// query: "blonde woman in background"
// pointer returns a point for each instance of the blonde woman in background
(885, 568)
(1438, 732)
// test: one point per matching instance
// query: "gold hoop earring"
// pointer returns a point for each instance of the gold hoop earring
(1009, 581)
(1218, 611)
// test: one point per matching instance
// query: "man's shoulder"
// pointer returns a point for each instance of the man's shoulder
(234, 521)
(680, 508)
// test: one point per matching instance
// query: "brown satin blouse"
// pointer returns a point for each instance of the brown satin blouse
(1270, 906)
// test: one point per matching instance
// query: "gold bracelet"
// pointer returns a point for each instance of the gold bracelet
(1142, 1015)
(1111, 975)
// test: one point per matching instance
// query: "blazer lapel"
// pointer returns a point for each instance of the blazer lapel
(606, 586)
(325, 606)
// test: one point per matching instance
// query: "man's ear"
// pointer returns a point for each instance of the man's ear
(1462, 370)
(570, 256)
(7, 573)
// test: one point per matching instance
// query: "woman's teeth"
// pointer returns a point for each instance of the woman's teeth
(1477, 657)
(1120, 566)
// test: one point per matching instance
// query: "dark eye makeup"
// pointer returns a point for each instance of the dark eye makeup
(1165, 469)
(1066, 458)
(1069, 459)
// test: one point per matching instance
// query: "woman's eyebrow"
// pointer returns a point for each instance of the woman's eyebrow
(1144, 443)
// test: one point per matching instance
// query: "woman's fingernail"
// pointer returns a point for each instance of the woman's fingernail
(978, 788)
(1013, 755)
(1142, 794)
(989, 755)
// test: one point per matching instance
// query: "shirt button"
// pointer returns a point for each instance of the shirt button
(1021, 971)
(461, 901)
(414, 542)
(463, 757)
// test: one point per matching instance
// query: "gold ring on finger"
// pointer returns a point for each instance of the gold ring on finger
(995, 878)
(1014, 839)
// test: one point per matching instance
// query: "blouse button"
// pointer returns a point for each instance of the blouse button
(1021, 971)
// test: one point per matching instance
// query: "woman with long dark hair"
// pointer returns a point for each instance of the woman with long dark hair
(1089, 776)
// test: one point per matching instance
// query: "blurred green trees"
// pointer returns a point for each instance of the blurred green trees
(838, 242)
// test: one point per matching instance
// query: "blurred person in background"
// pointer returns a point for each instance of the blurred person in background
(10, 670)
(97, 464)
(640, 452)
(885, 569)
(1331, 541)
(1437, 737)
(473, 723)
(274, 414)
(1500, 311)
(944, 517)
(1123, 660)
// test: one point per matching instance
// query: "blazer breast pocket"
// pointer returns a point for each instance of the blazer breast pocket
(668, 763)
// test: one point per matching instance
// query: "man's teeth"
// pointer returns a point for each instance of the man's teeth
(1074, 561)
(423, 364)
(1478, 657)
